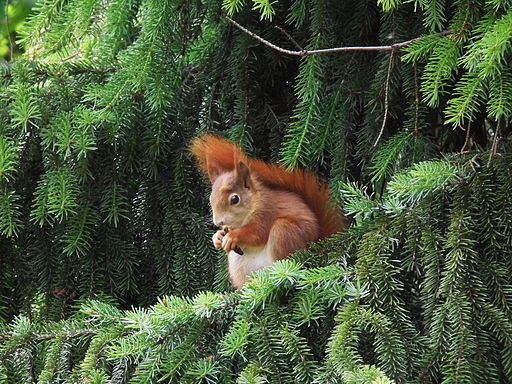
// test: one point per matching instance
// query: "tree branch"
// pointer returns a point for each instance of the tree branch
(38, 338)
(330, 51)
(386, 100)
(466, 141)
(494, 147)
(54, 69)
(416, 100)
(290, 38)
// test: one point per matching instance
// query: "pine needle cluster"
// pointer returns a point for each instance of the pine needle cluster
(419, 293)
(103, 213)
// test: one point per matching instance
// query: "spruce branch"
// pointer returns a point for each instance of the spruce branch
(42, 337)
(329, 51)
(67, 335)
(57, 69)
(94, 147)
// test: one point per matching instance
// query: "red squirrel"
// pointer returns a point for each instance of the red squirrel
(264, 211)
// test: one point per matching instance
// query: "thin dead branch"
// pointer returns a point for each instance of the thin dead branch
(327, 51)
(386, 101)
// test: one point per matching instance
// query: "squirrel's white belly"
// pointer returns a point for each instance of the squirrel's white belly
(242, 266)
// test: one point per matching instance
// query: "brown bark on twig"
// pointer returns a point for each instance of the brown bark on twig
(466, 141)
(290, 38)
(386, 101)
(328, 51)
(494, 147)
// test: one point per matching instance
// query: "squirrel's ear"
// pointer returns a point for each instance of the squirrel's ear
(243, 175)
(213, 172)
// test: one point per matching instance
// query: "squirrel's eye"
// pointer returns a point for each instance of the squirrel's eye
(234, 200)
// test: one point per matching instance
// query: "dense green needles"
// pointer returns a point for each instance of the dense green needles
(107, 274)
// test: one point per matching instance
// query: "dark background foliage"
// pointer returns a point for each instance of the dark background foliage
(102, 208)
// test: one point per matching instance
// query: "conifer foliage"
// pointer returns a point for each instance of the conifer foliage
(107, 274)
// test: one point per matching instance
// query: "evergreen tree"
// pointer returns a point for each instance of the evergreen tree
(107, 273)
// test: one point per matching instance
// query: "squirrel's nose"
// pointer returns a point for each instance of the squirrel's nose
(218, 223)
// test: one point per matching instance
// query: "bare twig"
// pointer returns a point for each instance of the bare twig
(416, 101)
(273, 114)
(210, 104)
(290, 38)
(494, 147)
(71, 57)
(328, 51)
(466, 141)
(386, 101)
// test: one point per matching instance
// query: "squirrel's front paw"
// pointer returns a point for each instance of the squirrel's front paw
(217, 238)
(229, 242)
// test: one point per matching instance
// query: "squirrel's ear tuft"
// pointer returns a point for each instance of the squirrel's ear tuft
(213, 171)
(243, 175)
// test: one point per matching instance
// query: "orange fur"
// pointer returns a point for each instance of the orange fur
(278, 211)
(221, 154)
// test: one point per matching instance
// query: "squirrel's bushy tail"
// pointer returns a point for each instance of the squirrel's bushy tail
(214, 151)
